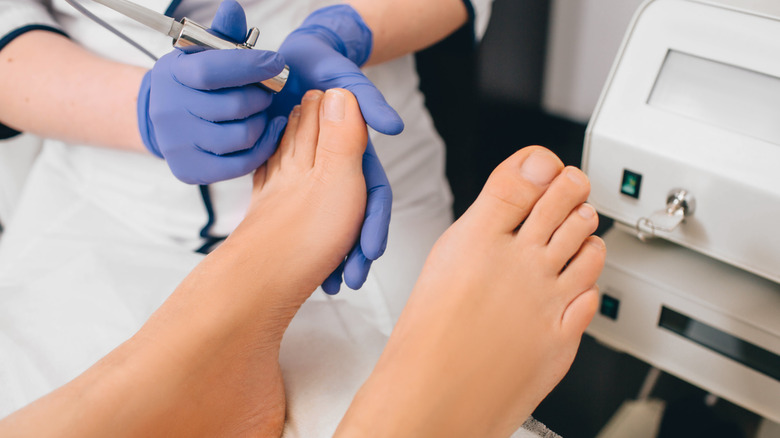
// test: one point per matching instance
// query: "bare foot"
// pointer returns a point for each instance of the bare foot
(215, 342)
(207, 361)
(496, 317)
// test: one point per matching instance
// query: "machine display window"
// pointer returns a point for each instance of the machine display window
(723, 95)
(744, 352)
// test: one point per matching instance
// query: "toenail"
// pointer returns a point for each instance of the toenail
(312, 95)
(576, 176)
(597, 243)
(296, 111)
(586, 211)
(334, 105)
(539, 168)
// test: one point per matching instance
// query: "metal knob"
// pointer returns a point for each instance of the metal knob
(680, 199)
(251, 39)
(680, 204)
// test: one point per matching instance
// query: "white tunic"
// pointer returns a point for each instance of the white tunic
(101, 237)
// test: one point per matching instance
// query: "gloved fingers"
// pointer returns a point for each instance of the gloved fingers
(376, 111)
(210, 168)
(215, 69)
(332, 284)
(145, 127)
(226, 138)
(264, 147)
(228, 104)
(230, 21)
(356, 268)
(376, 225)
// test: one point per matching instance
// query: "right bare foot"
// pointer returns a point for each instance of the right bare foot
(227, 319)
(496, 317)
(206, 362)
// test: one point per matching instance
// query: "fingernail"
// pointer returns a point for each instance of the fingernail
(334, 105)
(296, 111)
(586, 211)
(576, 175)
(539, 168)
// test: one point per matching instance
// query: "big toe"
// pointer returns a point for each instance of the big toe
(515, 186)
(343, 134)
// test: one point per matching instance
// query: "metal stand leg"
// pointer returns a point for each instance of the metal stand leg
(768, 429)
(640, 418)
(649, 384)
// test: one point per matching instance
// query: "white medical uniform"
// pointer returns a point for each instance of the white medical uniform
(101, 237)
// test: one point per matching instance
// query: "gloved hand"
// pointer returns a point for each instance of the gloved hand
(203, 113)
(327, 51)
(373, 235)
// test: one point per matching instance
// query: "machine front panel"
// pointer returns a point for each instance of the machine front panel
(702, 335)
(693, 103)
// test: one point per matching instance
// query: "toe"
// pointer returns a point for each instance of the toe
(579, 313)
(308, 128)
(514, 187)
(570, 189)
(568, 238)
(286, 149)
(585, 267)
(343, 134)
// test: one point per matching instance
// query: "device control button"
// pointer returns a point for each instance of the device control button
(609, 306)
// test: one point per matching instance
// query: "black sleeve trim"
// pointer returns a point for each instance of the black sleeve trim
(172, 8)
(5, 131)
(472, 19)
(210, 241)
(22, 30)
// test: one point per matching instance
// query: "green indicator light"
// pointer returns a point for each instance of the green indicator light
(632, 183)
(609, 306)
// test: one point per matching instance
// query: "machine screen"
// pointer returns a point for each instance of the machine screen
(755, 357)
(723, 95)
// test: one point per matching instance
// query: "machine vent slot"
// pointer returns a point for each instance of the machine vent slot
(744, 352)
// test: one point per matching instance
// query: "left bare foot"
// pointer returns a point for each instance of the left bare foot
(496, 316)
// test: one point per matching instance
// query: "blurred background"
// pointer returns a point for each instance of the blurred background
(535, 79)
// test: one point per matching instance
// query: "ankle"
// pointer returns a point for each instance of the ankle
(211, 386)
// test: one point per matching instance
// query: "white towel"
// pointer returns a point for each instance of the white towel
(327, 353)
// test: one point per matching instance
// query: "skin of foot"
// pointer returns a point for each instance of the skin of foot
(206, 362)
(496, 317)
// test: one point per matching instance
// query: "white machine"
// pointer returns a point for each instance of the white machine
(684, 146)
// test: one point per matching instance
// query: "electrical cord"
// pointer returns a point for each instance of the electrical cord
(111, 28)
(205, 233)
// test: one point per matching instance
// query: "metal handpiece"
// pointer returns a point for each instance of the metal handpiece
(189, 33)
(193, 34)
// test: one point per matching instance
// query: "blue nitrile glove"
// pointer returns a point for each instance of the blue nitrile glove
(373, 235)
(203, 113)
(326, 51)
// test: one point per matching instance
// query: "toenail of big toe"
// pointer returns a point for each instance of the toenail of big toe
(539, 168)
(334, 106)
